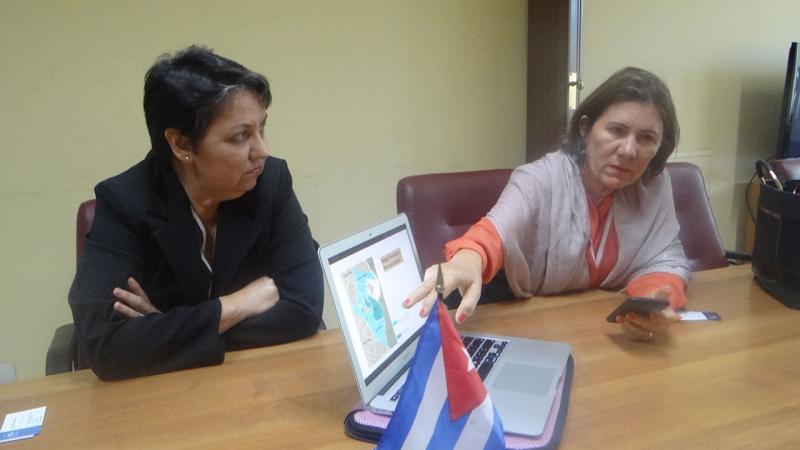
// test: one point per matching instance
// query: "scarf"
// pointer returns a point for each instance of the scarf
(542, 218)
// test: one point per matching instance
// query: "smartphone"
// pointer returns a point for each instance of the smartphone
(638, 305)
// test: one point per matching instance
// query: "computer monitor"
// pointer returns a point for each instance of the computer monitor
(789, 128)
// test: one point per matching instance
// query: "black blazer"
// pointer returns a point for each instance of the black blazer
(143, 228)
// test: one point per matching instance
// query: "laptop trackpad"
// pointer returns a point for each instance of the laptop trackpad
(523, 395)
(524, 378)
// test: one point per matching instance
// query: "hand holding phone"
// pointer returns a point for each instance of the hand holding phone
(638, 305)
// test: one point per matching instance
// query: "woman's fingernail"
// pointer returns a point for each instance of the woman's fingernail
(461, 318)
(422, 312)
(406, 303)
(630, 316)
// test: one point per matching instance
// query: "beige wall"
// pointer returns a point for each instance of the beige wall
(365, 92)
(725, 62)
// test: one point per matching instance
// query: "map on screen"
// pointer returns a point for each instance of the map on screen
(372, 281)
(369, 309)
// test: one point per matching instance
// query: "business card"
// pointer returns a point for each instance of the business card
(22, 425)
(699, 315)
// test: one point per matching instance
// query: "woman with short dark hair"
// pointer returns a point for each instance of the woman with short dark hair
(598, 212)
(202, 247)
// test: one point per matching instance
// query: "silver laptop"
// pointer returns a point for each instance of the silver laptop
(370, 274)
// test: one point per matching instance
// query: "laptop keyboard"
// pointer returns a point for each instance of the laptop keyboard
(396, 395)
(484, 353)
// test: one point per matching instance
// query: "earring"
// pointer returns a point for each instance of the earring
(187, 158)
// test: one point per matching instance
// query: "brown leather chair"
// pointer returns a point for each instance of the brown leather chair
(442, 206)
(699, 235)
(83, 225)
(63, 355)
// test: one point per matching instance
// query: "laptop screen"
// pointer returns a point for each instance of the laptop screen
(372, 279)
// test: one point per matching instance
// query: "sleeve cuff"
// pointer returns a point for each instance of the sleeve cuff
(485, 240)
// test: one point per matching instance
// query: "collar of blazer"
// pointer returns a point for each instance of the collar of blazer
(172, 226)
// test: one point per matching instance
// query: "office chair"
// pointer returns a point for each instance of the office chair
(63, 355)
(442, 206)
(699, 235)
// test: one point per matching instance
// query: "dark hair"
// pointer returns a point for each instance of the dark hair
(186, 90)
(628, 84)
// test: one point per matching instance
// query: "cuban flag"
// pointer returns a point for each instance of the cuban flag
(444, 404)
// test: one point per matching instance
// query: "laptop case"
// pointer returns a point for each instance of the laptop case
(367, 426)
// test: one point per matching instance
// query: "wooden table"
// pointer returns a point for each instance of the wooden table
(734, 383)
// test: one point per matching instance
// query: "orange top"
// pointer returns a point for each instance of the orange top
(598, 216)
(485, 240)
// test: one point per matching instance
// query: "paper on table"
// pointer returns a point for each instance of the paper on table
(22, 425)
(699, 315)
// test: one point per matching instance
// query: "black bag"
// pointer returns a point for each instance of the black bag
(776, 250)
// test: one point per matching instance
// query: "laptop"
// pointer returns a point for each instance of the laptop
(369, 274)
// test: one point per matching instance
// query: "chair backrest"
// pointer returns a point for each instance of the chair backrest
(442, 206)
(83, 225)
(699, 236)
(787, 169)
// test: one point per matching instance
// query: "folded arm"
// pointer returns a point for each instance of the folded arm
(294, 266)
(119, 347)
